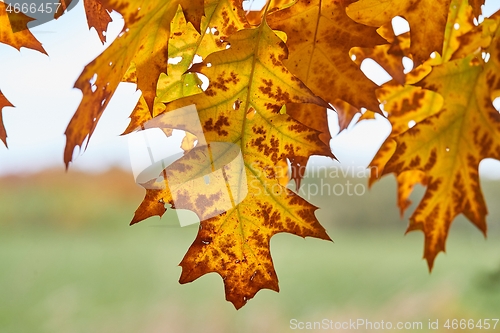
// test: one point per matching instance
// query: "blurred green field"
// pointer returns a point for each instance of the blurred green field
(70, 263)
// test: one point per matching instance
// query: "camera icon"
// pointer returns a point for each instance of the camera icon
(209, 179)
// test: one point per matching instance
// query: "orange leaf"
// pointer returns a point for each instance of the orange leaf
(140, 55)
(3, 103)
(139, 116)
(379, 161)
(460, 23)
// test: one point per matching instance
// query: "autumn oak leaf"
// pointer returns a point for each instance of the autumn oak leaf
(248, 88)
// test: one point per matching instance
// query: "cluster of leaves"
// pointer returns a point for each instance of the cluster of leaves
(272, 76)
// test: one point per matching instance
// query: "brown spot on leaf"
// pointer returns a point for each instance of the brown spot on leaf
(221, 122)
(431, 162)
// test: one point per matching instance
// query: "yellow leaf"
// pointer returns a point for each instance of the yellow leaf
(319, 122)
(138, 117)
(246, 79)
(448, 146)
(368, 115)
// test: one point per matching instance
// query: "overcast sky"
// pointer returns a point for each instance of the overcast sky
(41, 88)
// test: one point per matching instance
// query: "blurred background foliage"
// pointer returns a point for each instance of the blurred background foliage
(70, 263)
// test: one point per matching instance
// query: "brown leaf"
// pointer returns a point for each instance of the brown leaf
(476, 6)
(64, 4)
(97, 17)
(142, 43)
(240, 110)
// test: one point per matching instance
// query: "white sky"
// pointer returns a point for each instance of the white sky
(41, 88)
